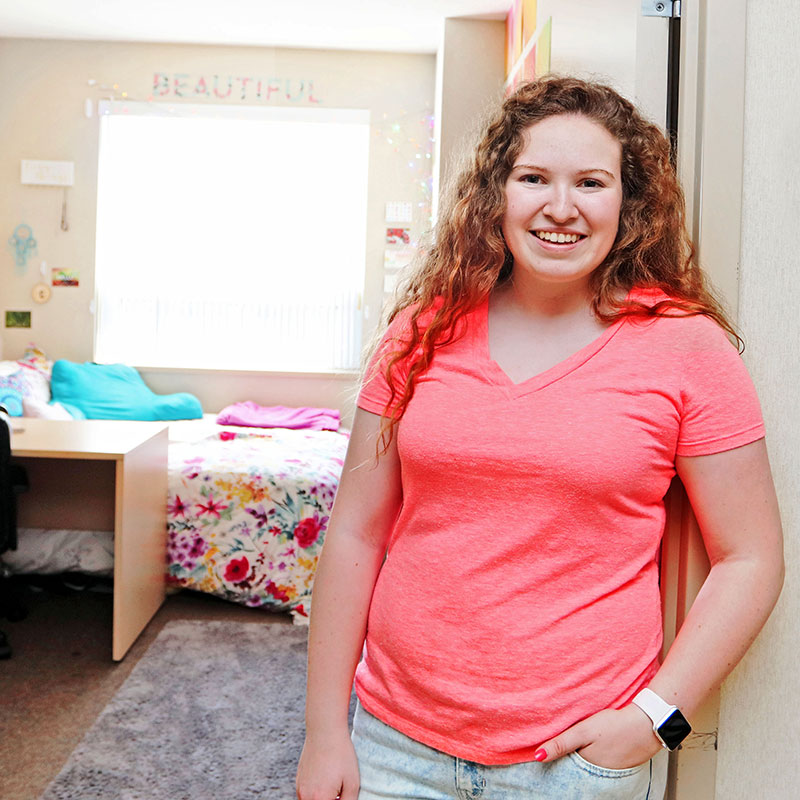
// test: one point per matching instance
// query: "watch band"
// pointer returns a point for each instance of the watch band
(652, 705)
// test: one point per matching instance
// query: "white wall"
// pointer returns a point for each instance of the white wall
(759, 745)
(594, 40)
(613, 43)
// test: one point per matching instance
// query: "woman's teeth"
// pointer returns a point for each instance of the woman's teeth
(560, 238)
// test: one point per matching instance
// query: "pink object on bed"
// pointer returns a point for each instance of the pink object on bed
(252, 415)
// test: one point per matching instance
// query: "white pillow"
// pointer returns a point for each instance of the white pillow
(38, 384)
(31, 407)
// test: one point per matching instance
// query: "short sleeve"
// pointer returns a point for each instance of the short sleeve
(720, 406)
(375, 393)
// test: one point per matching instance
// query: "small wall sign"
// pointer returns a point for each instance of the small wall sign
(18, 319)
(65, 277)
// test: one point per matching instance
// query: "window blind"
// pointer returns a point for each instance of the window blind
(231, 237)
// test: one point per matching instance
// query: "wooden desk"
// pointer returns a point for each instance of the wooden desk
(103, 475)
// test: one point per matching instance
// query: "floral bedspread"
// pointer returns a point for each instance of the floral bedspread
(247, 514)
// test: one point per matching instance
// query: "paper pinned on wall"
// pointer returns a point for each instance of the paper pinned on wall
(398, 211)
(65, 277)
(398, 236)
(395, 259)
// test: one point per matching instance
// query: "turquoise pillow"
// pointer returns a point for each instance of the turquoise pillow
(116, 391)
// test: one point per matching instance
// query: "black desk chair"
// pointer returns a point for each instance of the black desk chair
(13, 481)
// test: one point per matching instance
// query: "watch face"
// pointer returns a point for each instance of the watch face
(674, 729)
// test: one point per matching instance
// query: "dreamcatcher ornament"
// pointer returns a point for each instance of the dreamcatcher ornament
(23, 244)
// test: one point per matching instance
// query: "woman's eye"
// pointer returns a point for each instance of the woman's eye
(591, 183)
(532, 179)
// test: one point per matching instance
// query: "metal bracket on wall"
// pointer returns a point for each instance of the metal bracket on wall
(700, 741)
(670, 10)
(661, 8)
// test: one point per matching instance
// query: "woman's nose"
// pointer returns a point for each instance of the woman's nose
(560, 204)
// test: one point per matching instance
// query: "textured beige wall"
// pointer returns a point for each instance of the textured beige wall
(44, 87)
(759, 745)
(469, 82)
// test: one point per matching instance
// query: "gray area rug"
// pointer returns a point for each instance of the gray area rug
(212, 710)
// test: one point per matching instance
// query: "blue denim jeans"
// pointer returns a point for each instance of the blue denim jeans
(395, 767)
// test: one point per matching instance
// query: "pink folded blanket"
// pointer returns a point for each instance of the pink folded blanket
(255, 416)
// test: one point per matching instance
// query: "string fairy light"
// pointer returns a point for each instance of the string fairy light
(410, 136)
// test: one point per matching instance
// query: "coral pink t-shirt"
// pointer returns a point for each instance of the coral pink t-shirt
(520, 591)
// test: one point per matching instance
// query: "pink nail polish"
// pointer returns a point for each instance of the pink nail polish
(540, 755)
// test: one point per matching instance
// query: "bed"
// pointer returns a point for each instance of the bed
(247, 511)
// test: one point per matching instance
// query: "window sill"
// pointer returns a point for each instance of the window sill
(344, 375)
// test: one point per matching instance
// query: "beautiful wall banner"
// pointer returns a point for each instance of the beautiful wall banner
(234, 87)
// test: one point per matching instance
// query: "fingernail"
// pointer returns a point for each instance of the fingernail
(540, 754)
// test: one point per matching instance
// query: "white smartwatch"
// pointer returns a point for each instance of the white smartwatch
(669, 725)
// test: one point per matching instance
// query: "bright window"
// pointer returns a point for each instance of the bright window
(231, 237)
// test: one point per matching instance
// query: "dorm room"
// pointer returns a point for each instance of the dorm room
(286, 476)
(421, 102)
(238, 493)
(243, 313)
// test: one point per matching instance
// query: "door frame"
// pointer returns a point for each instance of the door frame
(710, 167)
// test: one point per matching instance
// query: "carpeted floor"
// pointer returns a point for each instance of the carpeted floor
(61, 675)
(212, 709)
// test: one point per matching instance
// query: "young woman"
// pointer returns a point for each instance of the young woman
(493, 550)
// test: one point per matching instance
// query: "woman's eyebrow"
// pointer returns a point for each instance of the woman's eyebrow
(597, 169)
(534, 168)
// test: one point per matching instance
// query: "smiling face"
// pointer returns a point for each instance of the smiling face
(563, 200)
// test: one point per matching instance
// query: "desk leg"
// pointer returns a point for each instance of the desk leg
(140, 540)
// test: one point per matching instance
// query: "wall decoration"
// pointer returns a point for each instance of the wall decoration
(528, 20)
(41, 292)
(233, 87)
(65, 277)
(527, 45)
(542, 60)
(410, 136)
(397, 255)
(105, 92)
(513, 35)
(398, 236)
(398, 211)
(50, 173)
(23, 244)
(18, 319)
(395, 259)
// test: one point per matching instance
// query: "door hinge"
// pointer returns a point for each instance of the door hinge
(661, 8)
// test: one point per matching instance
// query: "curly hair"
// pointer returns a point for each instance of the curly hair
(469, 255)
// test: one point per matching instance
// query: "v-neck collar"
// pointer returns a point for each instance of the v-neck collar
(496, 375)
